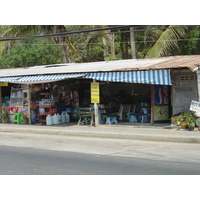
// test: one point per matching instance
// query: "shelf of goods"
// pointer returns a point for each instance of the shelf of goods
(45, 110)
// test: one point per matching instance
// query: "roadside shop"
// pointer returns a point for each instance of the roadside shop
(134, 90)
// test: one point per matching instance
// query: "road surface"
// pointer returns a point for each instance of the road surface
(62, 155)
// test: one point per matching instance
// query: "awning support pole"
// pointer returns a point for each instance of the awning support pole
(29, 103)
(96, 119)
(198, 82)
(0, 101)
(152, 104)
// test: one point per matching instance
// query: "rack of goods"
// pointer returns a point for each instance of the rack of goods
(46, 107)
(17, 102)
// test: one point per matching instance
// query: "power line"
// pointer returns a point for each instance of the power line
(66, 33)
(147, 41)
(93, 30)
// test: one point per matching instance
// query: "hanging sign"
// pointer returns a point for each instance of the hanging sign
(3, 83)
(94, 88)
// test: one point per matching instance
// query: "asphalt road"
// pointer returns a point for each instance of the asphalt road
(26, 161)
(28, 154)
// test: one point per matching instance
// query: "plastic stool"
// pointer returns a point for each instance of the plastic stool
(17, 117)
(108, 120)
(133, 118)
(114, 120)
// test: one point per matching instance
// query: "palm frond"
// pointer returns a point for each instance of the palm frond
(166, 42)
(3, 45)
(71, 46)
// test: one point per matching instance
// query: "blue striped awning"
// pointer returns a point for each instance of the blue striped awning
(39, 78)
(158, 77)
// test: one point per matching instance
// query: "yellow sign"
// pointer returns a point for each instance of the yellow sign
(94, 87)
(3, 83)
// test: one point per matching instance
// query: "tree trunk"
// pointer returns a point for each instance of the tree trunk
(126, 45)
(63, 49)
(60, 29)
(112, 44)
(132, 43)
(122, 45)
(104, 41)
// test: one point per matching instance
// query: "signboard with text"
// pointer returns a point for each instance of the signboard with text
(3, 83)
(94, 88)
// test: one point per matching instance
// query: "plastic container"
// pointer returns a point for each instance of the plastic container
(63, 118)
(42, 110)
(49, 120)
(67, 117)
(59, 119)
(55, 119)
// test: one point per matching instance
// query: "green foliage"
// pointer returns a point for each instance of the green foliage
(5, 114)
(31, 53)
(187, 117)
(189, 45)
(111, 57)
(166, 42)
(91, 47)
(197, 121)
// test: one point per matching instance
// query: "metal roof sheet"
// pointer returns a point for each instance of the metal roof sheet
(190, 62)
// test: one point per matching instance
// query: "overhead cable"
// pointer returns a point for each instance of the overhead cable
(66, 33)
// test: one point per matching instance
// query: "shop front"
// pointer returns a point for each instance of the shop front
(136, 96)
(37, 101)
(140, 95)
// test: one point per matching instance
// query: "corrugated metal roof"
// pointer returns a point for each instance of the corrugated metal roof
(190, 62)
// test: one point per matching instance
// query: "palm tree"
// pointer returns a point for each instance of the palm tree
(167, 41)
(107, 38)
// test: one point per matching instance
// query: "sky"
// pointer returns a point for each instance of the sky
(126, 12)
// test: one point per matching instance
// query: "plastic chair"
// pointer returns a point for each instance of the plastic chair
(17, 118)
(120, 113)
(86, 115)
(132, 114)
(126, 111)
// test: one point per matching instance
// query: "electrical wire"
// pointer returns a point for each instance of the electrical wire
(88, 32)
(65, 33)
(147, 41)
